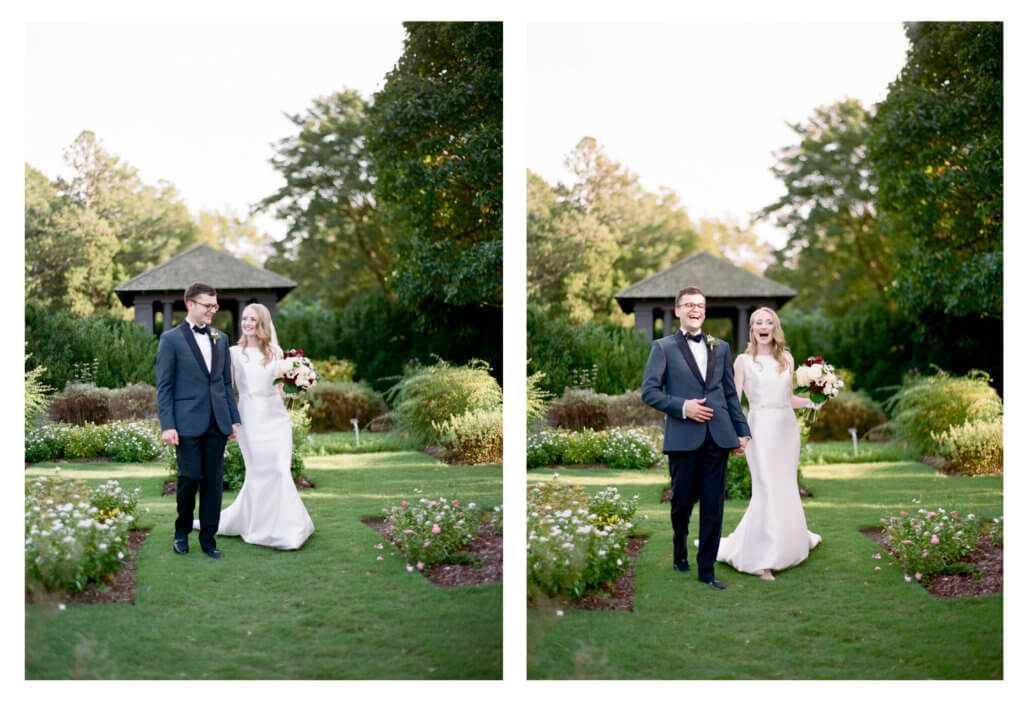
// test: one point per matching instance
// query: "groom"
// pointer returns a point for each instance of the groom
(689, 376)
(196, 405)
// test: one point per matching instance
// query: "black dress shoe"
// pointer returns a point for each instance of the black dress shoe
(180, 546)
(214, 553)
(681, 567)
(717, 584)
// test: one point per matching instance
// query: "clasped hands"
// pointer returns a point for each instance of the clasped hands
(170, 436)
(695, 410)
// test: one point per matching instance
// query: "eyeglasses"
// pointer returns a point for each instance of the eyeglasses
(209, 307)
(693, 305)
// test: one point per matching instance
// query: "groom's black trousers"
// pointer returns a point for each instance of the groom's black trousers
(698, 476)
(200, 470)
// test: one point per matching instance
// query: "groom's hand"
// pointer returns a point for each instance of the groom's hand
(695, 409)
(743, 446)
(234, 432)
(170, 436)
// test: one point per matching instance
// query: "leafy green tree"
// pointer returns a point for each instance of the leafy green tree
(239, 236)
(435, 138)
(937, 148)
(838, 251)
(337, 244)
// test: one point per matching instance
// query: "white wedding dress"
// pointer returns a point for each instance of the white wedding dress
(773, 532)
(268, 510)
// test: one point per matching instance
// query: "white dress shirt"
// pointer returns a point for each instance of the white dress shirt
(205, 345)
(700, 354)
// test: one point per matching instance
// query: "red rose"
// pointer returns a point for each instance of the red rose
(819, 358)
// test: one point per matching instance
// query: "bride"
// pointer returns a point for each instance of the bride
(268, 510)
(772, 535)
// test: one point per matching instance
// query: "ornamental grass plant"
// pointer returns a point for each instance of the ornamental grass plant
(973, 448)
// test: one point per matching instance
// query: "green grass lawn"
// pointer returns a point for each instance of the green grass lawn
(831, 617)
(327, 611)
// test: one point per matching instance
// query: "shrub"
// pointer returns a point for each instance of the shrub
(926, 406)
(74, 535)
(46, 442)
(123, 352)
(36, 393)
(133, 441)
(86, 441)
(333, 405)
(430, 531)
(973, 448)
(630, 449)
(567, 354)
(629, 409)
(848, 410)
(135, 401)
(335, 370)
(537, 399)
(81, 403)
(926, 542)
(574, 542)
(475, 437)
(578, 409)
(428, 395)
(737, 478)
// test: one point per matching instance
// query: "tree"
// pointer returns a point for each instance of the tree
(336, 245)
(435, 138)
(937, 149)
(231, 233)
(837, 253)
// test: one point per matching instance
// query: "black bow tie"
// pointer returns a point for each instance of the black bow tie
(697, 338)
(201, 329)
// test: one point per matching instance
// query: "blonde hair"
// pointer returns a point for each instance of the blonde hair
(262, 332)
(778, 342)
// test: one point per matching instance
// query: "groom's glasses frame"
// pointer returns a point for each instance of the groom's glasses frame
(208, 307)
(690, 305)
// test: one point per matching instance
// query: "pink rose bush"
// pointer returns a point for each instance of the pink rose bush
(430, 530)
(928, 541)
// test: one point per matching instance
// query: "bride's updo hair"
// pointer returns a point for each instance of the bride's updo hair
(263, 335)
(778, 342)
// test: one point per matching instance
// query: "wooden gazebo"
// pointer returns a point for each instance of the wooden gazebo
(160, 290)
(732, 292)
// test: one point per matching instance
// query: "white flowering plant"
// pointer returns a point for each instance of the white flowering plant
(121, 441)
(294, 372)
(75, 535)
(576, 542)
(619, 448)
(429, 531)
(818, 379)
(926, 542)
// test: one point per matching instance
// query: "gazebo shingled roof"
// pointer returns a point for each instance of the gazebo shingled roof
(731, 292)
(716, 277)
(237, 282)
(205, 263)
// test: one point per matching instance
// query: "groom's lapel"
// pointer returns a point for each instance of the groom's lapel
(684, 347)
(711, 363)
(190, 339)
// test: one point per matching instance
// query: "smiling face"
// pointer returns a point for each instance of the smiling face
(691, 310)
(201, 309)
(762, 327)
(250, 320)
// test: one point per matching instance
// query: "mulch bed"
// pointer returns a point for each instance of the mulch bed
(119, 589)
(486, 548)
(986, 556)
(618, 596)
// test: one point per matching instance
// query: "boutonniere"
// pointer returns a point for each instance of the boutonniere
(712, 341)
(214, 335)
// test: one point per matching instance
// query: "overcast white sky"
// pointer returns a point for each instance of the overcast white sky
(697, 107)
(194, 104)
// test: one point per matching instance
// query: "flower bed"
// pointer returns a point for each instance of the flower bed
(576, 542)
(75, 535)
(927, 543)
(431, 530)
(121, 441)
(620, 449)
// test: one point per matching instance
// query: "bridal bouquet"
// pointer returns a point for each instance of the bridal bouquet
(819, 379)
(295, 372)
